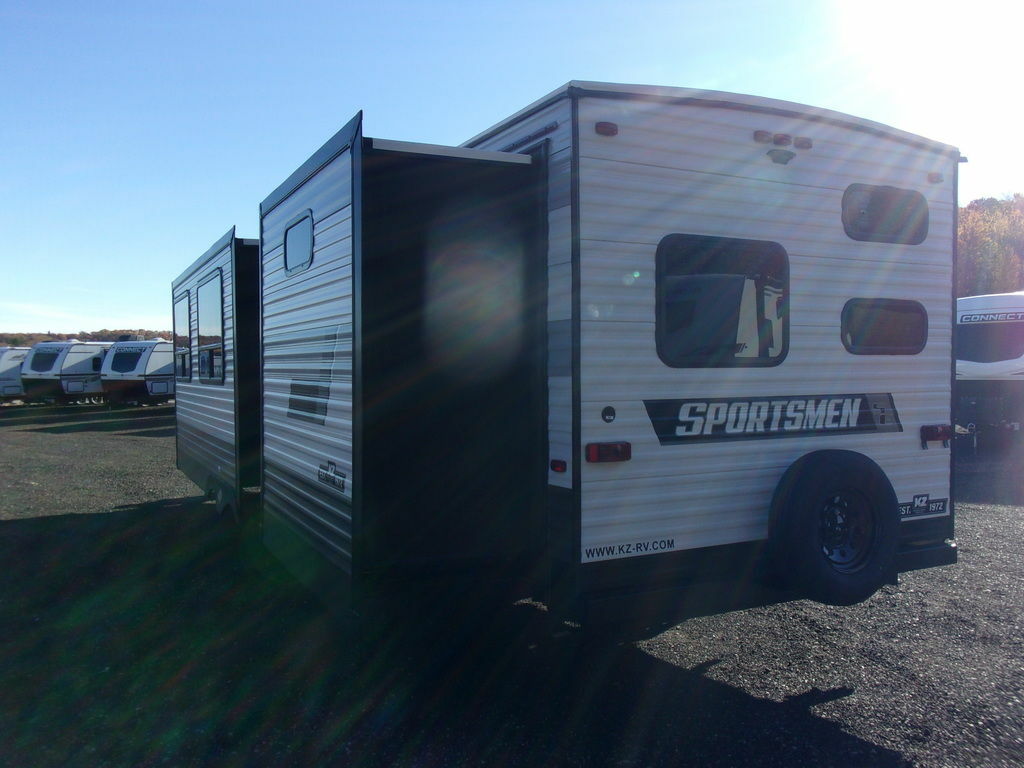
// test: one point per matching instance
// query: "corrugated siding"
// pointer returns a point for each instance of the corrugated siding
(207, 432)
(307, 364)
(559, 273)
(690, 169)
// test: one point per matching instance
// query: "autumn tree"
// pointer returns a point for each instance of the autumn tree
(991, 246)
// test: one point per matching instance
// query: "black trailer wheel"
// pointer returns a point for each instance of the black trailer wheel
(835, 527)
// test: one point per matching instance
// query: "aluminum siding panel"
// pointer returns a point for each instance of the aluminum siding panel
(207, 432)
(307, 337)
(692, 169)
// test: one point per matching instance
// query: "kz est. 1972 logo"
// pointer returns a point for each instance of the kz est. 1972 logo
(923, 504)
(328, 473)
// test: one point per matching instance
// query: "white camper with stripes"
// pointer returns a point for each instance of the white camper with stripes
(139, 372)
(632, 351)
(64, 371)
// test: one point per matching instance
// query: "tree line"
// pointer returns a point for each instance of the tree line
(28, 339)
(990, 244)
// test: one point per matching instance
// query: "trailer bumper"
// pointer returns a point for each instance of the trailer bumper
(944, 553)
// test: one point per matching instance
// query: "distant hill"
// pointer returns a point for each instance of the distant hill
(28, 339)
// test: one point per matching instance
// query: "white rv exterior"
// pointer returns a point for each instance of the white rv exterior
(729, 320)
(40, 371)
(139, 371)
(990, 367)
(215, 369)
(11, 359)
(990, 337)
(80, 371)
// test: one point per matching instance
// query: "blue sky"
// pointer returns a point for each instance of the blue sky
(134, 134)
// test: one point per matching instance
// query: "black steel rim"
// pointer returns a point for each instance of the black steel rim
(847, 530)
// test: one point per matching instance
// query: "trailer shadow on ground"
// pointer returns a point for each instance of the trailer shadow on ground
(36, 415)
(140, 425)
(156, 634)
(154, 421)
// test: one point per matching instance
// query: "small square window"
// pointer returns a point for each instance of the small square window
(298, 243)
(721, 302)
(884, 327)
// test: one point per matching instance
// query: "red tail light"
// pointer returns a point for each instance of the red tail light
(558, 465)
(598, 453)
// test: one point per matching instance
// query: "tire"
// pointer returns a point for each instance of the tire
(835, 527)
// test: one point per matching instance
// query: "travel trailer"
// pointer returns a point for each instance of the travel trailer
(40, 371)
(139, 372)
(989, 347)
(80, 372)
(216, 370)
(638, 353)
(11, 359)
(64, 371)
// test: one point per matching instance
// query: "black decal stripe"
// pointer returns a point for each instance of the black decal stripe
(716, 419)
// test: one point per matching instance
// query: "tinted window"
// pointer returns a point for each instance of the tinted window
(989, 342)
(97, 361)
(210, 326)
(182, 339)
(298, 243)
(885, 214)
(721, 302)
(125, 362)
(43, 361)
(884, 327)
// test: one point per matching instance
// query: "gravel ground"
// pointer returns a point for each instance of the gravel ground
(137, 628)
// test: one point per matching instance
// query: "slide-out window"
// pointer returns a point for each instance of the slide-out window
(210, 329)
(721, 302)
(885, 214)
(298, 243)
(182, 339)
(884, 327)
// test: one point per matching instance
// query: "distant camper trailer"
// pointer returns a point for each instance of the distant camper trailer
(80, 372)
(139, 372)
(64, 371)
(627, 351)
(216, 368)
(40, 371)
(11, 359)
(989, 346)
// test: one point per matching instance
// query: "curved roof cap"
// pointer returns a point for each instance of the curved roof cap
(720, 99)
